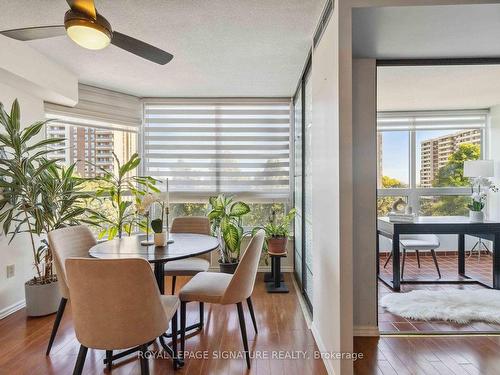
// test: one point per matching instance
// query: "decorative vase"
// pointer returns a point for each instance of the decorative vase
(476, 216)
(161, 239)
(277, 246)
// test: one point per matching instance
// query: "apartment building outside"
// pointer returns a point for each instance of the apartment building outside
(90, 148)
(434, 152)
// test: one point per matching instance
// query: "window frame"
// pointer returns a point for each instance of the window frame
(412, 192)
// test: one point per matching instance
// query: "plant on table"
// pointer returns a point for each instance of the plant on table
(226, 222)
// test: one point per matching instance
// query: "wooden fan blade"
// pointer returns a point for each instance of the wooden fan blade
(83, 6)
(140, 48)
(32, 33)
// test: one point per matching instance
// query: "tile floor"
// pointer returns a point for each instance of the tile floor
(477, 268)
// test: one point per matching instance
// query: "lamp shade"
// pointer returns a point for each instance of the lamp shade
(479, 168)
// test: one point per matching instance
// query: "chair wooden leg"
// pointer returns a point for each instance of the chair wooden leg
(174, 341)
(55, 327)
(202, 314)
(388, 259)
(250, 307)
(174, 279)
(183, 328)
(109, 359)
(403, 266)
(80, 361)
(436, 262)
(418, 258)
(243, 329)
(144, 361)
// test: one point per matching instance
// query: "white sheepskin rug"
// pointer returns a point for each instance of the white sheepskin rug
(461, 306)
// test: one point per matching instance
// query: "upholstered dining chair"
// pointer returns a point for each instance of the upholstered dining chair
(194, 265)
(225, 289)
(418, 242)
(116, 305)
(67, 242)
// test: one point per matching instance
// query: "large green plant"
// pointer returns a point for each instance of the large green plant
(226, 220)
(122, 189)
(37, 196)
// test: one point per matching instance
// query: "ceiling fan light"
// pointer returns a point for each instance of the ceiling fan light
(88, 36)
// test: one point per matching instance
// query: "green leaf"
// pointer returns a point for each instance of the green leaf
(239, 209)
(231, 237)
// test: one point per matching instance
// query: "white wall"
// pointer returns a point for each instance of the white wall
(493, 204)
(364, 117)
(332, 204)
(19, 252)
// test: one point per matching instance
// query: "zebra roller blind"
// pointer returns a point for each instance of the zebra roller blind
(207, 147)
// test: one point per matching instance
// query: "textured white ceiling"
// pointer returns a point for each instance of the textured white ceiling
(220, 47)
(438, 87)
(427, 31)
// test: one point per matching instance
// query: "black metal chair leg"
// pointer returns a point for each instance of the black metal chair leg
(144, 360)
(250, 307)
(388, 259)
(243, 329)
(174, 279)
(436, 262)
(174, 342)
(80, 360)
(183, 328)
(109, 359)
(55, 327)
(403, 266)
(202, 314)
(418, 258)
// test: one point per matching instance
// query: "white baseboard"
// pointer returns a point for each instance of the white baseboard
(367, 331)
(12, 309)
(322, 348)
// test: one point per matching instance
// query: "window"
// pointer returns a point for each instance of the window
(89, 155)
(207, 147)
(420, 158)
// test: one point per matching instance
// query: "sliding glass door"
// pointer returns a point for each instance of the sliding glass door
(303, 185)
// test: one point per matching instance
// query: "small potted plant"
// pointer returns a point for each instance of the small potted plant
(478, 198)
(277, 232)
(160, 236)
(226, 221)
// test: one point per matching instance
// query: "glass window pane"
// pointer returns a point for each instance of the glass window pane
(393, 167)
(298, 184)
(384, 204)
(450, 205)
(440, 155)
(307, 215)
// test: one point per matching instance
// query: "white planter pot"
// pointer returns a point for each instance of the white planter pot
(476, 216)
(161, 239)
(42, 299)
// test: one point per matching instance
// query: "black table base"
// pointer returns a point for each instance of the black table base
(277, 285)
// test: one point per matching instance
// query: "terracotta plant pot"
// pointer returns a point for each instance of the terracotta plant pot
(228, 267)
(161, 239)
(277, 245)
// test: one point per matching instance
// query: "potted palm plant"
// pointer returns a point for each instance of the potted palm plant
(226, 221)
(37, 196)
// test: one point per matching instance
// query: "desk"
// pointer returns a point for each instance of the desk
(459, 225)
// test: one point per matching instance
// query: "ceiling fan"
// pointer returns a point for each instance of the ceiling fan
(86, 27)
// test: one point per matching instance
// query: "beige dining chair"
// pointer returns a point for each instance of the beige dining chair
(116, 305)
(67, 242)
(225, 289)
(189, 266)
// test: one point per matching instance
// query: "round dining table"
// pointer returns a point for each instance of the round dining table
(184, 245)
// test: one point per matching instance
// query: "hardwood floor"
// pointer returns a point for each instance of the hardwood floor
(453, 355)
(280, 320)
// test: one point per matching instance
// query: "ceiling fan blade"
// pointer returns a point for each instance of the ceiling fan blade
(31, 33)
(140, 48)
(83, 6)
